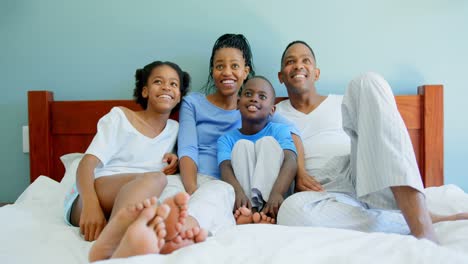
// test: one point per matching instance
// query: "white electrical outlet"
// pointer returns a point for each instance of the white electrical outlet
(25, 139)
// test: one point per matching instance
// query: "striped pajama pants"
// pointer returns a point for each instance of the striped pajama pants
(359, 196)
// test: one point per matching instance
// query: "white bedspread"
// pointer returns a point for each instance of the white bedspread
(33, 231)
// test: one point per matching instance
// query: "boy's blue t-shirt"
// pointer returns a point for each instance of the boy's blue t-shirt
(280, 132)
(201, 124)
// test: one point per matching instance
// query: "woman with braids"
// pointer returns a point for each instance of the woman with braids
(203, 119)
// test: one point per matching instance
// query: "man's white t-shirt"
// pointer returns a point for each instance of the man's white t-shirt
(321, 131)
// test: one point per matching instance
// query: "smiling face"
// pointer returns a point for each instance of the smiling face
(162, 89)
(257, 100)
(298, 69)
(229, 71)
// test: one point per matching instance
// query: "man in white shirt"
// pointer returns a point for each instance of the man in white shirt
(359, 167)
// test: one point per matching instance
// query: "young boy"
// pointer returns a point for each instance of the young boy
(259, 159)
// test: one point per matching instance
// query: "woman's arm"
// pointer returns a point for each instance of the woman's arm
(187, 143)
(188, 174)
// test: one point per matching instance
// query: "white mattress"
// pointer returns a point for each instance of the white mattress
(33, 231)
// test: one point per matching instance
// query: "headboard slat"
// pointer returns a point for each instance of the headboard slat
(40, 136)
(433, 136)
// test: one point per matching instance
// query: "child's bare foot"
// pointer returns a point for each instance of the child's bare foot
(185, 238)
(262, 218)
(176, 219)
(145, 235)
(243, 215)
(455, 217)
(461, 216)
(112, 234)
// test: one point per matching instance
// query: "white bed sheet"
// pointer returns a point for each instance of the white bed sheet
(33, 231)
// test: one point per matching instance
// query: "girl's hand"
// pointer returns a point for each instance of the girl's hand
(92, 221)
(171, 160)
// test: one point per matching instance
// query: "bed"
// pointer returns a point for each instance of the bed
(34, 231)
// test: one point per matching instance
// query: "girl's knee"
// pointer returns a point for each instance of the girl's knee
(158, 178)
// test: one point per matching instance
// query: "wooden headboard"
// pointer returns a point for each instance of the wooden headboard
(60, 127)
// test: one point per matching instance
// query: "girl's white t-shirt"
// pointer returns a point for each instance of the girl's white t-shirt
(121, 148)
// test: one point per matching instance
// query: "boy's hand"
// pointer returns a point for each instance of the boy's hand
(171, 160)
(306, 182)
(241, 200)
(271, 208)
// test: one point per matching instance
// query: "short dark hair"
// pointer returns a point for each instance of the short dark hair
(266, 80)
(297, 42)
(141, 80)
(236, 41)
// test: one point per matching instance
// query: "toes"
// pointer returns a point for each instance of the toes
(147, 215)
(181, 200)
(189, 234)
(236, 214)
(161, 243)
(154, 200)
(256, 217)
(146, 203)
(201, 235)
(161, 233)
(139, 206)
(163, 211)
(245, 211)
(177, 239)
(178, 227)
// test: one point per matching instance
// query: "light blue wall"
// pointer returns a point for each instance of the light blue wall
(90, 49)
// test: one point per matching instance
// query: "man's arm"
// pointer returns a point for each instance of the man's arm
(304, 181)
(283, 182)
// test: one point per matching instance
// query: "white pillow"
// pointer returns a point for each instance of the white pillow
(70, 162)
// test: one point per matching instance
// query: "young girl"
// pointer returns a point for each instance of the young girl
(129, 156)
(203, 119)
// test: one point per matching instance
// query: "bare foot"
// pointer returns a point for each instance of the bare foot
(262, 218)
(441, 218)
(112, 234)
(243, 215)
(186, 238)
(461, 216)
(146, 234)
(176, 219)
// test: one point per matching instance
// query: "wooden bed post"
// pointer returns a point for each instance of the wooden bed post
(433, 138)
(40, 135)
